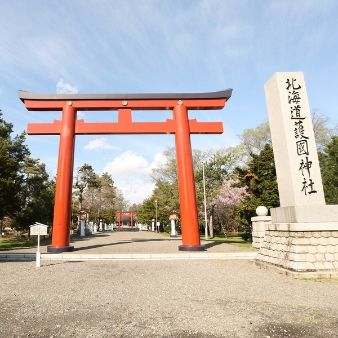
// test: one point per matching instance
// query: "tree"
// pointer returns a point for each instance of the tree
(329, 169)
(37, 195)
(167, 198)
(255, 139)
(100, 198)
(120, 202)
(167, 171)
(146, 211)
(85, 178)
(12, 155)
(218, 166)
(227, 204)
(322, 132)
(260, 179)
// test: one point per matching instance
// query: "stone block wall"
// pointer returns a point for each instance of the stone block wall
(259, 224)
(301, 251)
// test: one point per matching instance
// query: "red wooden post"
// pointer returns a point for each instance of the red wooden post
(64, 183)
(186, 181)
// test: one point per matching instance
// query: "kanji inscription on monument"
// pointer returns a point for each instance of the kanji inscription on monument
(295, 153)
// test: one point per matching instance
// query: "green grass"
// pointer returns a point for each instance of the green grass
(233, 240)
(14, 243)
(333, 280)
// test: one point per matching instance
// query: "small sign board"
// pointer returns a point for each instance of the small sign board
(38, 229)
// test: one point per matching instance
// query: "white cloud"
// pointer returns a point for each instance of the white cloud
(81, 115)
(131, 174)
(63, 87)
(159, 160)
(128, 163)
(100, 144)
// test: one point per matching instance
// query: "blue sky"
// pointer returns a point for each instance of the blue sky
(131, 46)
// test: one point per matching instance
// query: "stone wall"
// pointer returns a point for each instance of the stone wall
(259, 224)
(301, 251)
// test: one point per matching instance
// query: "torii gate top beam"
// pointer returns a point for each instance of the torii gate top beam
(150, 101)
(124, 104)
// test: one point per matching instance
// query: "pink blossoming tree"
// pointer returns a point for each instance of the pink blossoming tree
(227, 203)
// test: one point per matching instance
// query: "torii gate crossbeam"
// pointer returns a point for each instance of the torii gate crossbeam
(180, 125)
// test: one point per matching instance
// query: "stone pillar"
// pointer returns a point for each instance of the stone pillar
(90, 227)
(82, 228)
(153, 225)
(173, 228)
(259, 224)
(303, 237)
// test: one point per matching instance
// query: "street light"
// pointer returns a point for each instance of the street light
(205, 205)
(156, 214)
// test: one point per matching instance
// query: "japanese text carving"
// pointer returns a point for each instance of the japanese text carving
(294, 97)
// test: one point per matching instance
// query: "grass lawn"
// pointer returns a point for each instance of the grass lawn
(231, 239)
(13, 243)
(333, 280)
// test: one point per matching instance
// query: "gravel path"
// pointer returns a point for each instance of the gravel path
(162, 299)
(136, 242)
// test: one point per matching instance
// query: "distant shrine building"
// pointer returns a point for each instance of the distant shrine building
(125, 219)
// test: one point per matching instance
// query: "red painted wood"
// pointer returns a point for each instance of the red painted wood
(181, 126)
(125, 127)
(64, 179)
(186, 180)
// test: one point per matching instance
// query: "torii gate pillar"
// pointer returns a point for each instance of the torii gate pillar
(186, 181)
(64, 183)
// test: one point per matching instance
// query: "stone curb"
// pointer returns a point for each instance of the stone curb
(297, 274)
(131, 256)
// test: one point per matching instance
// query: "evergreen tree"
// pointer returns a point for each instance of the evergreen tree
(260, 179)
(37, 196)
(26, 193)
(12, 155)
(329, 169)
(146, 211)
(85, 178)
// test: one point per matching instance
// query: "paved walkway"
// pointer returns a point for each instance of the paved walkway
(137, 242)
(132, 246)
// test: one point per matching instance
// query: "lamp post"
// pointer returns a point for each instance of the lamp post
(156, 214)
(205, 205)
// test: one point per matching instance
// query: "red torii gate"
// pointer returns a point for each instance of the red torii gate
(180, 125)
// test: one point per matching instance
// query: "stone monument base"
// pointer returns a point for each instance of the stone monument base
(259, 224)
(301, 249)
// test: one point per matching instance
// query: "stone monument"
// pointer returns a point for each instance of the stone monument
(303, 236)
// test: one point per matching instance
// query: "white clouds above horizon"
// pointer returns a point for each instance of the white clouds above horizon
(131, 174)
(63, 87)
(100, 144)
